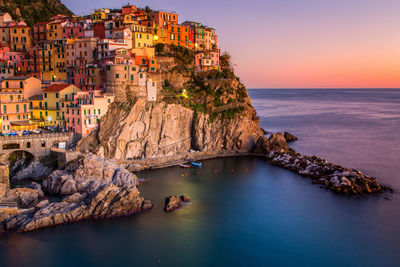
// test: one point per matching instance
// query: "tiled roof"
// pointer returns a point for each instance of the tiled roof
(56, 87)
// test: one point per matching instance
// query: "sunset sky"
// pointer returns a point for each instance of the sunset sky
(296, 43)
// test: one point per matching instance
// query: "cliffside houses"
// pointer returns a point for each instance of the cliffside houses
(66, 71)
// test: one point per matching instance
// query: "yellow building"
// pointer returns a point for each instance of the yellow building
(36, 109)
(142, 39)
(53, 58)
(99, 14)
(54, 31)
(20, 38)
(55, 99)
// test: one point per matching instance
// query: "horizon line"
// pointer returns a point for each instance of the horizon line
(326, 88)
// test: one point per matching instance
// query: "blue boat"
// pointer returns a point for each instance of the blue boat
(195, 164)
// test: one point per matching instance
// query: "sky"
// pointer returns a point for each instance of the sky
(295, 43)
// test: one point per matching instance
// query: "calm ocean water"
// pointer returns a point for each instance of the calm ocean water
(251, 213)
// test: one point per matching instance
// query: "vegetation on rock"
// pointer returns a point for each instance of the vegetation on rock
(33, 11)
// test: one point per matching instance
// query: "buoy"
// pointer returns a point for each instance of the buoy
(185, 174)
(215, 172)
(247, 169)
(198, 173)
(233, 170)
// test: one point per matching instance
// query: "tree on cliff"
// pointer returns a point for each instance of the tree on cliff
(32, 11)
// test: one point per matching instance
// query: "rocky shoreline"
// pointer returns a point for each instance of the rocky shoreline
(333, 177)
(93, 188)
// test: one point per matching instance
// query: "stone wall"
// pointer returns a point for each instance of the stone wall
(4, 175)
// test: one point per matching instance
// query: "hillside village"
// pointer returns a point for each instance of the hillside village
(63, 74)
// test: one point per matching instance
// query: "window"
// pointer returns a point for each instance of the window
(17, 108)
(45, 95)
(43, 144)
(56, 95)
(116, 76)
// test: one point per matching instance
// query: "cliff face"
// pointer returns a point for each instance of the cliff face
(203, 111)
(32, 11)
(154, 129)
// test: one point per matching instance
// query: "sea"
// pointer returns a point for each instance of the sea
(246, 212)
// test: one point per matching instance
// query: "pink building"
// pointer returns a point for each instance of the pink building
(88, 78)
(73, 29)
(207, 60)
(80, 52)
(83, 116)
(12, 58)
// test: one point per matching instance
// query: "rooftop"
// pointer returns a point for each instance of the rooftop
(56, 87)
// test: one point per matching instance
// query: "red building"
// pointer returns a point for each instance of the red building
(128, 9)
(99, 30)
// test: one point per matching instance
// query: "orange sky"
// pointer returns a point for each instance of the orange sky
(297, 43)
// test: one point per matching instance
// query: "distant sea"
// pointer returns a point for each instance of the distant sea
(250, 213)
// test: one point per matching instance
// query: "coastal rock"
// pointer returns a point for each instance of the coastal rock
(172, 203)
(149, 130)
(24, 197)
(277, 142)
(108, 201)
(289, 137)
(334, 177)
(185, 198)
(38, 188)
(95, 188)
(147, 205)
(75, 198)
(88, 174)
(35, 170)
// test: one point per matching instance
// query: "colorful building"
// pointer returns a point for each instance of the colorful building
(14, 113)
(55, 99)
(83, 115)
(20, 38)
(28, 86)
(207, 60)
(163, 18)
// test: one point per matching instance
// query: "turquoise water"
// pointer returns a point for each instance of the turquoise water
(250, 213)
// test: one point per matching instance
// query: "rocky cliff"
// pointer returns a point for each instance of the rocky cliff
(201, 111)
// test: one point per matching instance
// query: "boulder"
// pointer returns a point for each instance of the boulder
(172, 203)
(277, 142)
(289, 137)
(147, 205)
(24, 197)
(185, 198)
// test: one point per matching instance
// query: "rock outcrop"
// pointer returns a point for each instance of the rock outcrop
(289, 137)
(334, 177)
(174, 202)
(150, 130)
(94, 187)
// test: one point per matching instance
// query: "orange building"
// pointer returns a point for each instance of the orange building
(14, 113)
(163, 18)
(20, 38)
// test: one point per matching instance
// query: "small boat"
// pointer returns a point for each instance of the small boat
(184, 166)
(196, 164)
